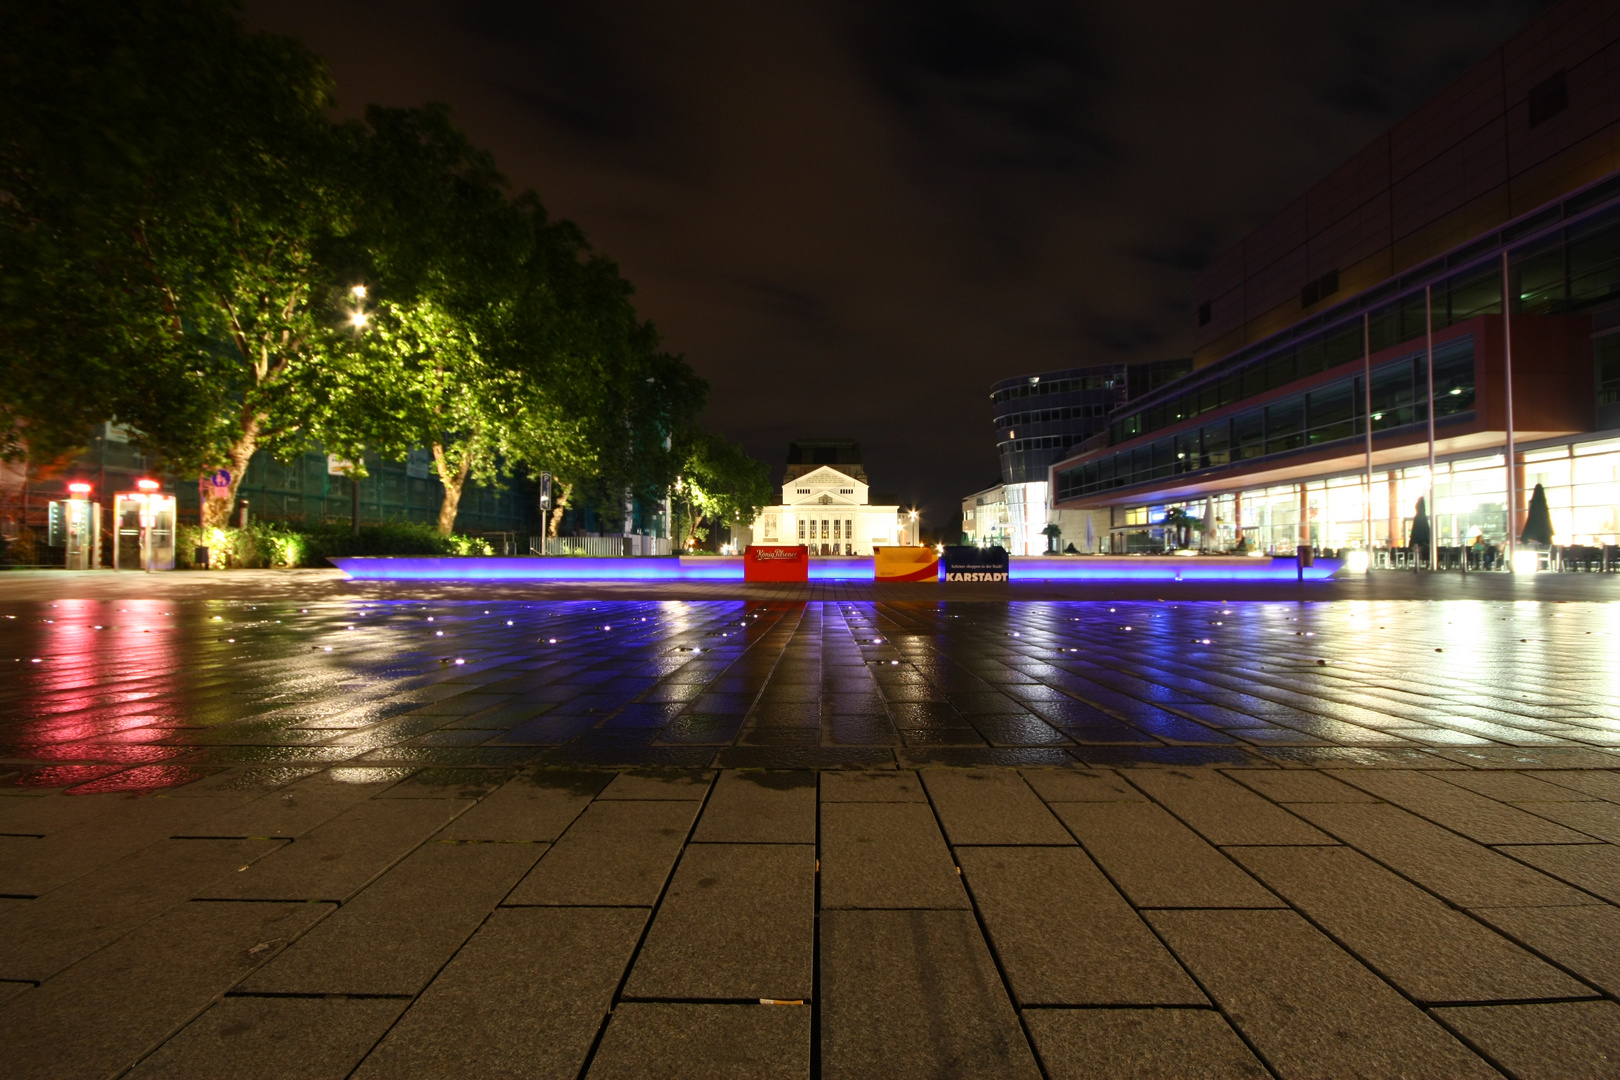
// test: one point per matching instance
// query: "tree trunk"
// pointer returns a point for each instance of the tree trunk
(558, 508)
(216, 512)
(454, 482)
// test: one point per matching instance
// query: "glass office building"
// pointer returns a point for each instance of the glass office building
(1362, 332)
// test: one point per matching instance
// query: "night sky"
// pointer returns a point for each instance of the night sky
(852, 218)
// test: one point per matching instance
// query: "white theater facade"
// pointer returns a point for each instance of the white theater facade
(828, 511)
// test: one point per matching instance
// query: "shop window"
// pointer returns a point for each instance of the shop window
(1248, 435)
(1606, 352)
(1285, 425)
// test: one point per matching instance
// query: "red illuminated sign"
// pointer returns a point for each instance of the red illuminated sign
(764, 562)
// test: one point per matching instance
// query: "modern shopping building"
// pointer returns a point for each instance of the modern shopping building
(1361, 333)
(1038, 418)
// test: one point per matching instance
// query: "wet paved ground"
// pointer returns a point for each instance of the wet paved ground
(371, 836)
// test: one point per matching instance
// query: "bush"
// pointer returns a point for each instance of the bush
(261, 544)
(271, 544)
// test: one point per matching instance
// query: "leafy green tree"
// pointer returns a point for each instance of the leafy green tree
(495, 336)
(719, 485)
(171, 199)
(1180, 523)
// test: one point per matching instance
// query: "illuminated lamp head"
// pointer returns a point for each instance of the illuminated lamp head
(147, 485)
(79, 488)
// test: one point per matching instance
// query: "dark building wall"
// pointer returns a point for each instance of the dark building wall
(1465, 162)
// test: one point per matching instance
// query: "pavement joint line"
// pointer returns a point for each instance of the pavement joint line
(984, 928)
(1203, 988)
(646, 925)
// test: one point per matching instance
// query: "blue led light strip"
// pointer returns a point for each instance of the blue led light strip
(1091, 568)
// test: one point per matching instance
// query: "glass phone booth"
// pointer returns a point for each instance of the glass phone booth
(143, 530)
(75, 526)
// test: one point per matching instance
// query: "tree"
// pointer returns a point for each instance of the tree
(170, 195)
(1538, 526)
(497, 337)
(1178, 524)
(719, 485)
(1054, 536)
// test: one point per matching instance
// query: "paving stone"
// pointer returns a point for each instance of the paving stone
(274, 1038)
(885, 855)
(1513, 787)
(400, 929)
(1081, 785)
(660, 1041)
(1298, 785)
(40, 937)
(537, 806)
(10, 989)
(337, 859)
(990, 806)
(1140, 1044)
(1600, 784)
(615, 853)
(300, 807)
(760, 807)
(1569, 1040)
(1475, 816)
(1585, 939)
(1065, 936)
(1305, 1004)
(42, 815)
(1427, 948)
(682, 785)
(737, 922)
(1594, 867)
(1593, 817)
(914, 993)
(35, 867)
(525, 997)
(105, 1013)
(866, 785)
(1157, 861)
(1459, 870)
(1223, 811)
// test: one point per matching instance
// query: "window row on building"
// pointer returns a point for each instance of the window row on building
(1560, 269)
(1328, 413)
(1047, 416)
(1581, 480)
(1036, 386)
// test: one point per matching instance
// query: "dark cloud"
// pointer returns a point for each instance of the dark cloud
(852, 218)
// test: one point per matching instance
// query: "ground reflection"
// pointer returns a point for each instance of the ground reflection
(145, 695)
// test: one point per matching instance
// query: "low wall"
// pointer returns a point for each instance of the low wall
(837, 568)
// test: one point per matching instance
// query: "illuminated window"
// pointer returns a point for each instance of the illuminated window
(849, 528)
(801, 528)
(838, 531)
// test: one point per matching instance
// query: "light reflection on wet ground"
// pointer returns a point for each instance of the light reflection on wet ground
(141, 694)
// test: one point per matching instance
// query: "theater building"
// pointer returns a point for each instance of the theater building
(1354, 353)
(827, 505)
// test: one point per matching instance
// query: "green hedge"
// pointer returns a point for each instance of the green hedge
(264, 544)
